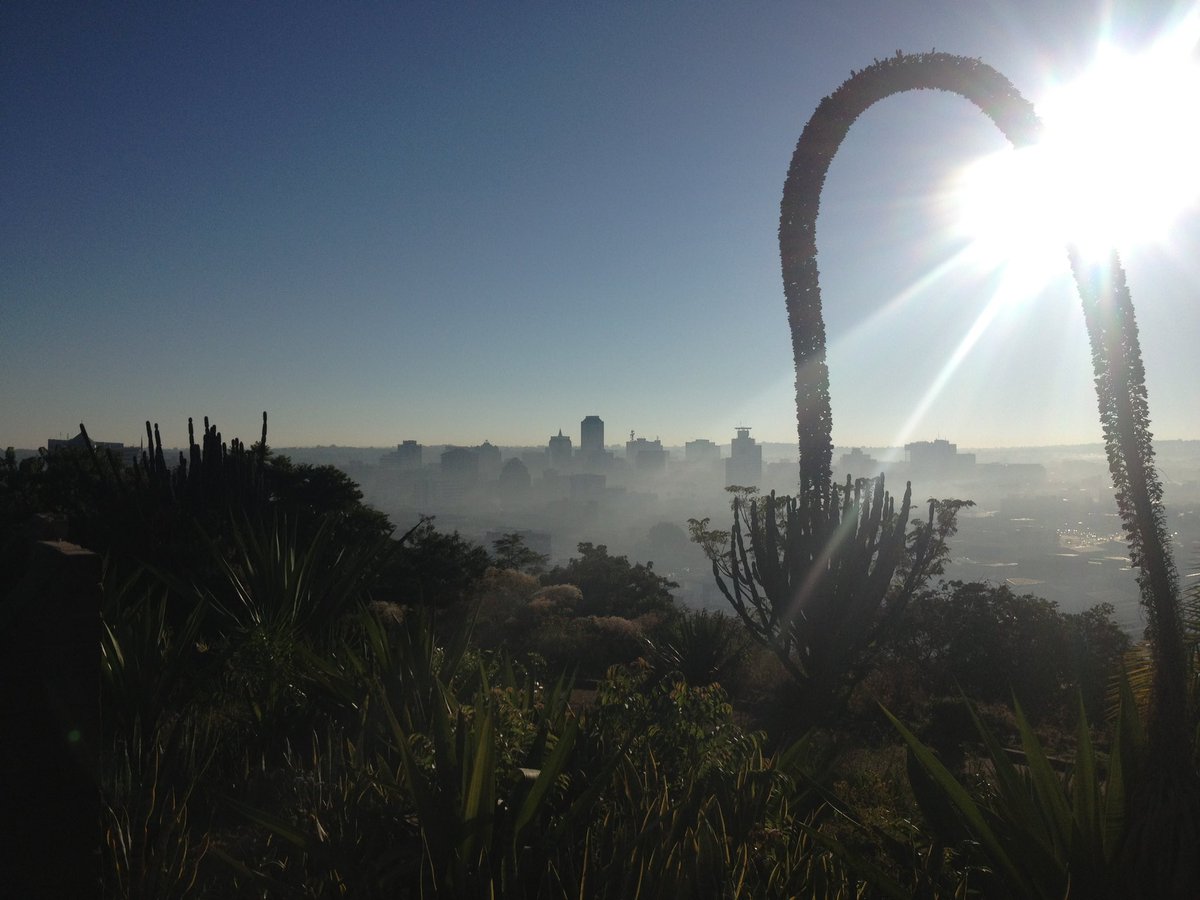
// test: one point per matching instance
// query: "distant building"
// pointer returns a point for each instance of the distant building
(744, 466)
(644, 455)
(516, 475)
(489, 460)
(591, 435)
(458, 473)
(587, 486)
(592, 456)
(701, 450)
(558, 452)
(515, 482)
(535, 460)
(859, 464)
(405, 457)
(938, 459)
(461, 463)
(125, 454)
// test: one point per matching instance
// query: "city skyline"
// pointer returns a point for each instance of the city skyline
(408, 444)
(472, 222)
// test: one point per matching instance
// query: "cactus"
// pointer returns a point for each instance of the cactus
(819, 584)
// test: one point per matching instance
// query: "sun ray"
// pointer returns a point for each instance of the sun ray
(1009, 290)
(905, 297)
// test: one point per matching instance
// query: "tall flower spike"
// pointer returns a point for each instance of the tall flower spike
(1108, 312)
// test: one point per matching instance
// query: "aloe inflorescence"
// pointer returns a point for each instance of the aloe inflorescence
(1117, 364)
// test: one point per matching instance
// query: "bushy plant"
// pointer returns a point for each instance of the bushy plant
(611, 585)
(588, 645)
(703, 647)
(988, 642)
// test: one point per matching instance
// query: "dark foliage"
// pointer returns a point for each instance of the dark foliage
(509, 551)
(819, 585)
(434, 569)
(702, 647)
(992, 644)
(611, 585)
(152, 513)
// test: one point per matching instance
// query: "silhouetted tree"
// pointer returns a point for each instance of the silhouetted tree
(434, 569)
(611, 585)
(316, 492)
(990, 643)
(509, 551)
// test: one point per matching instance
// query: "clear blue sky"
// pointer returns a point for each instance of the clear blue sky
(459, 221)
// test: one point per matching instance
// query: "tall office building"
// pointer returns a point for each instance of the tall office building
(744, 466)
(458, 474)
(644, 455)
(489, 460)
(405, 457)
(938, 459)
(701, 450)
(461, 464)
(559, 452)
(592, 456)
(591, 436)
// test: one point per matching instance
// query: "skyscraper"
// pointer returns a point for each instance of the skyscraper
(744, 466)
(592, 455)
(559, 451)
(591, 436)
(489, 460)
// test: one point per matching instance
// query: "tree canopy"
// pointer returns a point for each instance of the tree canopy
(611, 585)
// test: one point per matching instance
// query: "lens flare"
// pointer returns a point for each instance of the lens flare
(1116, 166)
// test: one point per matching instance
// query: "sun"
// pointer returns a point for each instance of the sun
(1116, 165)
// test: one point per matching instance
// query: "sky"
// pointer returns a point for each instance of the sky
(458, 222)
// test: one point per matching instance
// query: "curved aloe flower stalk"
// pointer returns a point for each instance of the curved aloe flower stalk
(1120, 382)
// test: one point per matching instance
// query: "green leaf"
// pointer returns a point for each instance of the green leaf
(551, 768)
(479, 798)
(1020, 819)
(970, 811)
(1086, 792)
(858, 864)
(1049, 795)
(433, 813)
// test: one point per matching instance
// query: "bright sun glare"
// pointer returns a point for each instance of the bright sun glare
(1116, 166)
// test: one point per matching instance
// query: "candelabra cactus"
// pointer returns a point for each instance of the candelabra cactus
(818, 583)
(208, 476)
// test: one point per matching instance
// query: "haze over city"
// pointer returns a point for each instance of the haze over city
(707, 449)
(458, 222)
